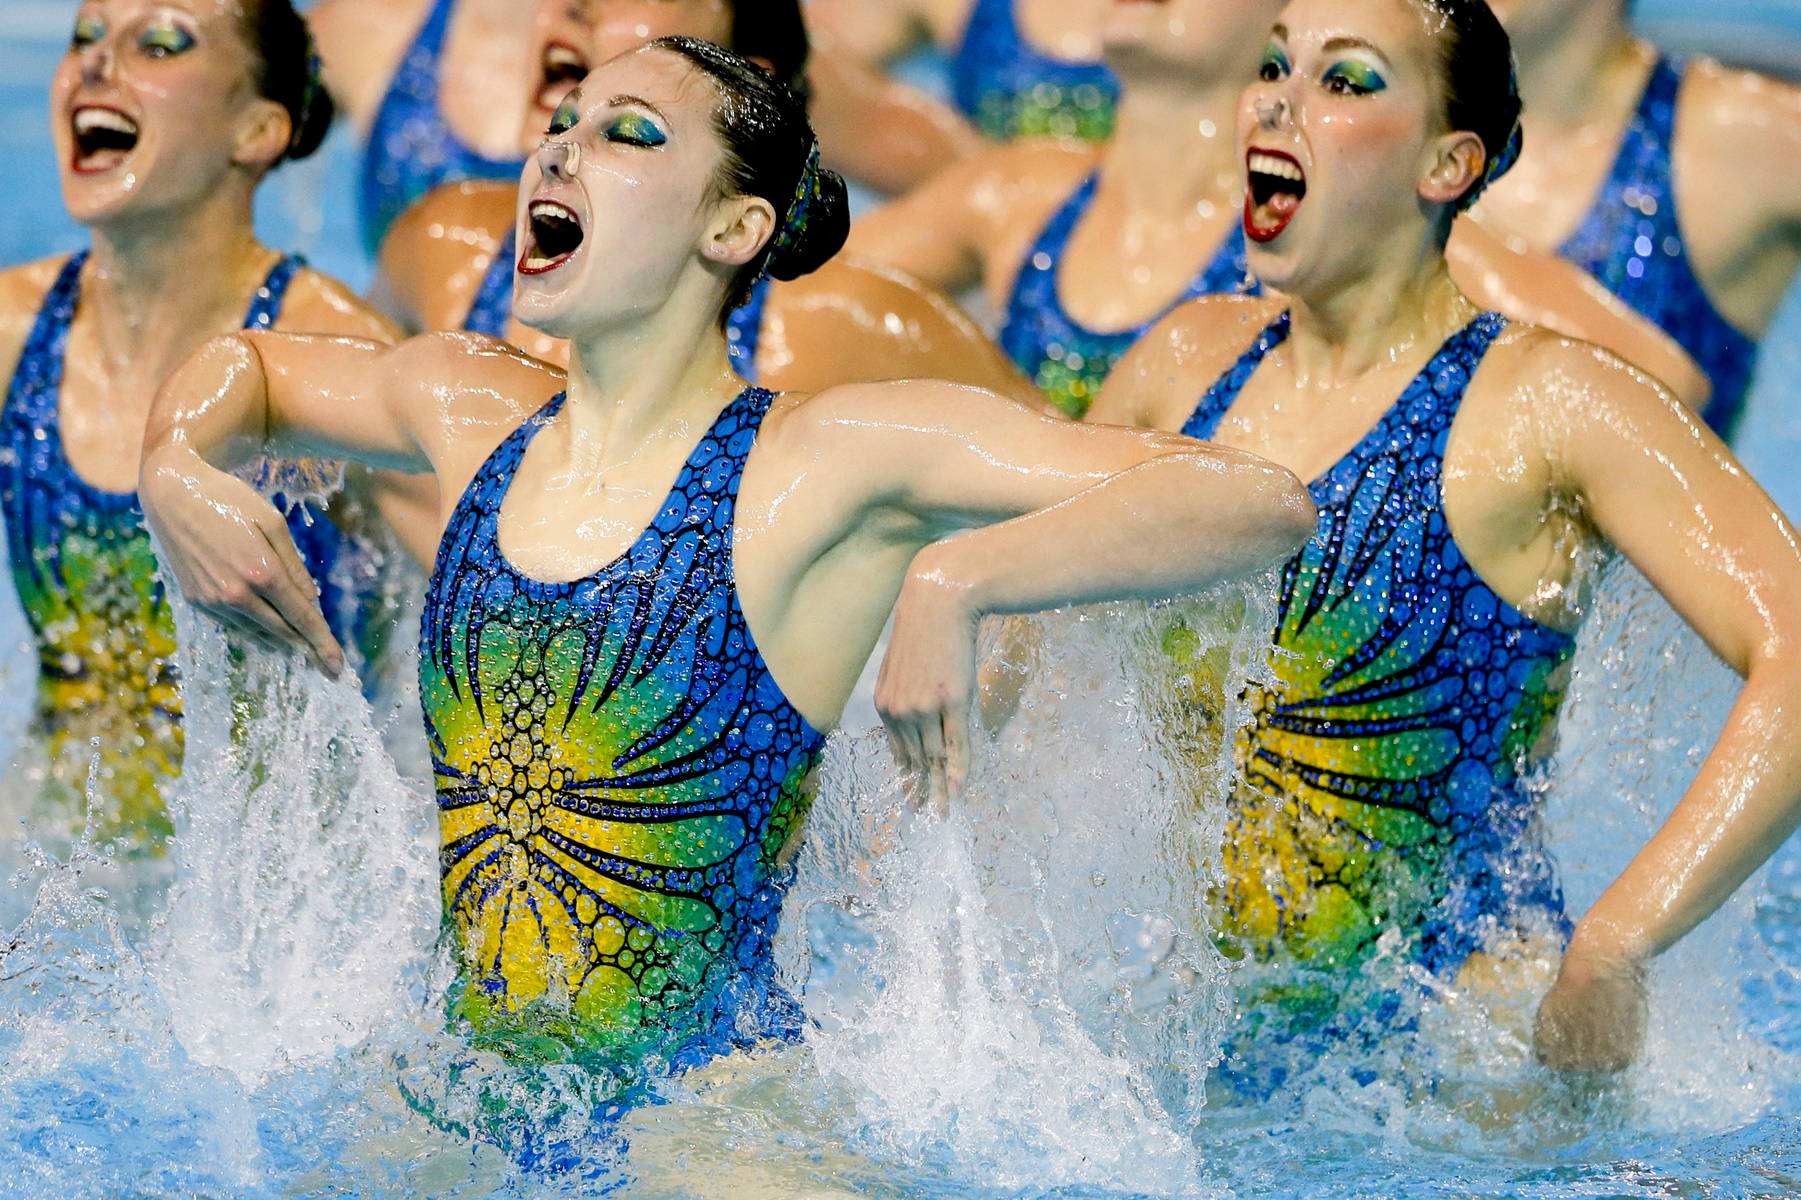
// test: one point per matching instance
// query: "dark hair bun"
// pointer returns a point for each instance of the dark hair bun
(827, 226)
(312, 124)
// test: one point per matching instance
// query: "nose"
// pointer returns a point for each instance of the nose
(559, 158)
(1273, 111)
(96, 59)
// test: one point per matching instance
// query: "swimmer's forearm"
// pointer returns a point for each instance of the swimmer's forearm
(1174, 525)
(1744, 803)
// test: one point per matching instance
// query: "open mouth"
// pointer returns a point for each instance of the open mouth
(1277, 187)
(554, 233)
(564, 66)
(104, 138)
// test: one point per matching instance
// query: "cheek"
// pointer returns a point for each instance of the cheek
(1370, 143)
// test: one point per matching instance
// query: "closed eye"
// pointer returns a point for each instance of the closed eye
(634, 130)
(163, 41)
(564, 119)
(88, 30)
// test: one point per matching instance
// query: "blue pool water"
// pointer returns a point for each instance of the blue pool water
(981, 1028)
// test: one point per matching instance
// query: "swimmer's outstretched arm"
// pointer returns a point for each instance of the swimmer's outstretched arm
(1656, 483)
(423, 405)
(1021, 513)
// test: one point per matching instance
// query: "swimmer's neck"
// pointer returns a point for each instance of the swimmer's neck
(633, 385)
(1338, 337)
(157, 286)
(1174, 146)
(1564, 74)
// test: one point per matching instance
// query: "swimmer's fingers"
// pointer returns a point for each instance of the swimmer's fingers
(289, 589)
(1593, 1018)
(931, 739)
(956, 721)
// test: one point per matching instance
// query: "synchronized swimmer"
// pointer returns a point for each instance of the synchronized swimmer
(677, 444)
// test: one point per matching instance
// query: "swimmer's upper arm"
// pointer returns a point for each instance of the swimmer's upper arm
(853, 322)
(1652, 479)
(436, 255)
(360, 46)
(940, 232)
(929, 449)
(1166, 373)
(411, 407)
(1547, 291)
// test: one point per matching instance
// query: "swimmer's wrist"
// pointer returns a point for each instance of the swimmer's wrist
(942, 571)
(1607, 947)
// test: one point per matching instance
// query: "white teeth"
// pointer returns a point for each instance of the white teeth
(1270, 164)
(563, 56)
(545, 209)
(88, 119)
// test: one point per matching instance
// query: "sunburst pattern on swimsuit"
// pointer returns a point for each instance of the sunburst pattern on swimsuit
(1381, 774)
(617, 772)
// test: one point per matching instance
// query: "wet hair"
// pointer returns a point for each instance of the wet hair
(1481, 84)
(770, 151)
(772, 30)
(287, 70)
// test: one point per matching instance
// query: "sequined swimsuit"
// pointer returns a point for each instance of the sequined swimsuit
(1067, 360)
(1632, 242)
(86, 577)
(411, 150)
(617, 771)
(494, 304)
(1011, 90)
(1381, 774)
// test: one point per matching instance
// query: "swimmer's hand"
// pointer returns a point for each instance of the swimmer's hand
(233, 556)
(1593, 1018)
(926, 689)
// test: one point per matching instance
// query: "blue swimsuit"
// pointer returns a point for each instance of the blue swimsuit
(494, 304)
(1632, 242)
(1011, 90)
(1067, 360)
(617, 776)
(411, 150)
(86, 577)
(1381, 773)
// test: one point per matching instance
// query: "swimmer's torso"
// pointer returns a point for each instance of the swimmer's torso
(1012, 90)
(1381, 780)
(1067, 360)
(617, 771)
(86, 577)
(411, 149)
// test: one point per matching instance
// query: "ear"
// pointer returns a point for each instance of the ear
(741, 227)
(264, 133)
(1454, 165)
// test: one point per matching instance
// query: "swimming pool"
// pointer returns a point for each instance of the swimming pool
(984, 1026)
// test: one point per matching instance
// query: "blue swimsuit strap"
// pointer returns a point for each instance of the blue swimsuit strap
(494, 304)
(1035, 291)
(1631, 240)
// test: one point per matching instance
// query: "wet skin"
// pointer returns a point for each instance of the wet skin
(1559, 451)
(1170, 191)
(1736, 159)
(851, 495)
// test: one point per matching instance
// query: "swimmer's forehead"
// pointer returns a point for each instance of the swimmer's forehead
(1390, 30)
(201, 12)
(658, 81)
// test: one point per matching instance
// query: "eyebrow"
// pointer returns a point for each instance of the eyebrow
(1353, 43)
(629, 101)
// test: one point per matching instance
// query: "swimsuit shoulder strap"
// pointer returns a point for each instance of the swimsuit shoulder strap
(1039, 270)
(1644, 147)
(1205, 419)
(38, 377)
(493, 302)
(428, 44)
(265, 305)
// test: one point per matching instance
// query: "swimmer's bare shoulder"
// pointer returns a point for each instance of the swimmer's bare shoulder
(319, 304)
(435, 256)
(360, 44)
(22, 291)
(1738, 166)
(1160, 381)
